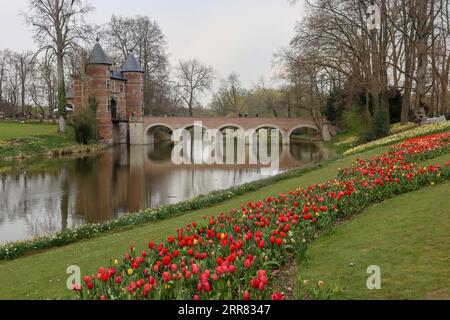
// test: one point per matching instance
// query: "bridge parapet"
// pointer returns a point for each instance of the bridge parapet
(286, 125)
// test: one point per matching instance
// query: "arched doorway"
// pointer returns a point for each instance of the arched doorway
(113, 108)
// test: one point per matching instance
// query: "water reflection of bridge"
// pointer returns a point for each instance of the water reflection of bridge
(286, 126)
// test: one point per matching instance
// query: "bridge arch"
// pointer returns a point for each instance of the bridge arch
(190, 126)
(284, 138)
(303, 126)
(150, 136)
(230, 125)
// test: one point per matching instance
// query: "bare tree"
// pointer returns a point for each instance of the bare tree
(193, 79)
(13, 82)
(269, 96)
(42, 90)
(58, 26)
(230, 98)
(23, 63)
(3, 57)
(148, 42)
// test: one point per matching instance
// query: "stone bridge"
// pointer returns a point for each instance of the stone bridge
(141, 133)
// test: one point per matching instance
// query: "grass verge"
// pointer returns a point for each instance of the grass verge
(413, 256)
(23, 141)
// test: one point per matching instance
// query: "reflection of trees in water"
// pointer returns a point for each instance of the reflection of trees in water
(40, 201)
(305, 151)
(120, 180)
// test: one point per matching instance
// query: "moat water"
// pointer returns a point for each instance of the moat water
(51, 196)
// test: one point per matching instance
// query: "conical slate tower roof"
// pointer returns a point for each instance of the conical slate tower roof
(131, 65)
(98, 55)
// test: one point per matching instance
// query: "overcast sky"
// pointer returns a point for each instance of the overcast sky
(230, 35)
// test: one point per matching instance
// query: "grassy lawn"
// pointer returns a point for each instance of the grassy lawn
(407, 237)
(13, 130)
(33, 139)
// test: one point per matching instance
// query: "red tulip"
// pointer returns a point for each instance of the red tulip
(261, 244)
(166, 260)
(77, 287)
(166, 276)
(170, 239)
(105, 277)
(279, 242)
(278, 296)
(195, 269)
(246, 295)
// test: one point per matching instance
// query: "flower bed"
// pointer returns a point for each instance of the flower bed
(232, 255)
(419, 131)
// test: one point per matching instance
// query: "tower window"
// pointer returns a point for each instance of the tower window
(108, 85)
(122, 88)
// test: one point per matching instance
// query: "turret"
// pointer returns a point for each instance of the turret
(99, 74)
(134, 74)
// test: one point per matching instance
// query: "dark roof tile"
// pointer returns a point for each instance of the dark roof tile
(98, 56)
(131, 65)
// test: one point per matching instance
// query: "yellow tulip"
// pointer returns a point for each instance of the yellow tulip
(130, 272)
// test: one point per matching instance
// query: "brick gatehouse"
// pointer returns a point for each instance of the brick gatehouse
(119, 92)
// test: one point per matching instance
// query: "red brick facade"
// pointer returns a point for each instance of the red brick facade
(119, 94)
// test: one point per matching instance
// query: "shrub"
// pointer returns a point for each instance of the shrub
(84, 123)
(379, 128)
(335, 106)
(395, 104)
(355, 120)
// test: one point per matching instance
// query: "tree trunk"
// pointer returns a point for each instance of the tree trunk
(289, 105)
(191, 112)
(422, 52)
(62, 124)
(60, 71)
(22, 96)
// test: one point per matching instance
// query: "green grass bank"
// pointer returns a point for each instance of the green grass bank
(29, 140)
